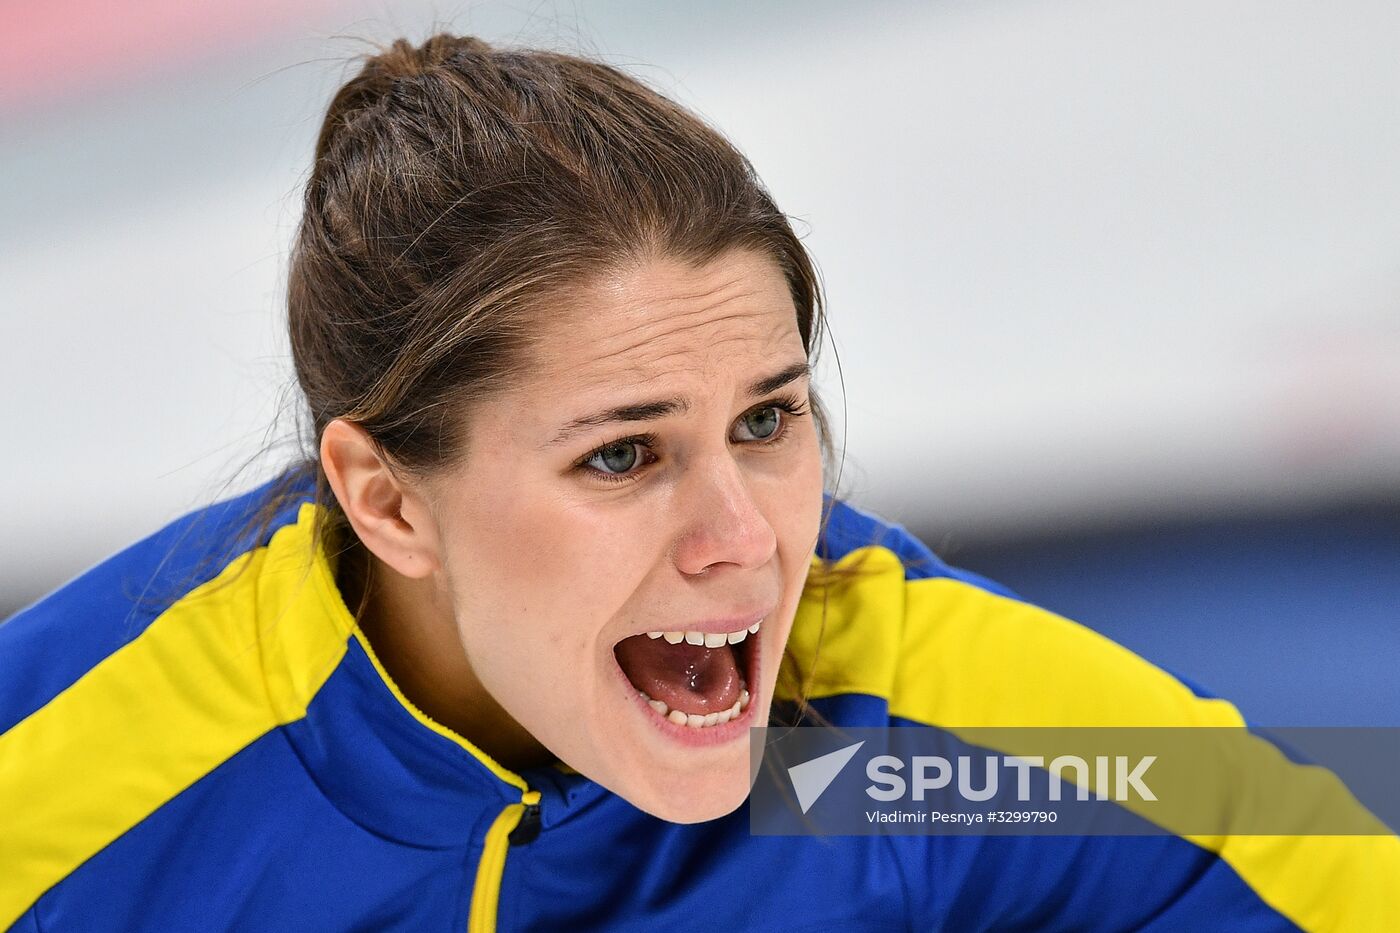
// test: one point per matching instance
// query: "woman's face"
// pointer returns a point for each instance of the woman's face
(657, 471)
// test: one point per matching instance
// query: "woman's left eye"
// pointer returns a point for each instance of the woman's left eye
(761, 423)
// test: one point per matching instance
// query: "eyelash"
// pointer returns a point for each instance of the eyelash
(790, 405)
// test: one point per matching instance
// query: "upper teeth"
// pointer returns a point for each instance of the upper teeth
(708, 639)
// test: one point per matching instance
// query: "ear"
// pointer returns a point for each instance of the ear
(388, 515)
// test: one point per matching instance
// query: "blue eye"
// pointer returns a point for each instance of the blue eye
(762, 423)
(615, 458)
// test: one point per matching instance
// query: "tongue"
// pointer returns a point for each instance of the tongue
(690, 678)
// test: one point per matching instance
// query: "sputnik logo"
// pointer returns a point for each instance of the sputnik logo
(811, 778)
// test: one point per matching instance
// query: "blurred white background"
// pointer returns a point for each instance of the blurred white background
(1091, 264)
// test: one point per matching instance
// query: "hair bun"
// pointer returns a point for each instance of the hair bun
(399, 61)
(402, 59)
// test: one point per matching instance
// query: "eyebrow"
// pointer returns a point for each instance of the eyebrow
(662, 408)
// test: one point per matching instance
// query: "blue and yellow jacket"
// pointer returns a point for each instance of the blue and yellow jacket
(234, 757)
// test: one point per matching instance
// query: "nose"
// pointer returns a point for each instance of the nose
(723, 523)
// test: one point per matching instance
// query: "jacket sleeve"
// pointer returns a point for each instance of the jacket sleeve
(970, 657)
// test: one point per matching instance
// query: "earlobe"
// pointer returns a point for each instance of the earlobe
(379, 504)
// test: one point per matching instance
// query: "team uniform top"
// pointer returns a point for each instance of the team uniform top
(235, 757)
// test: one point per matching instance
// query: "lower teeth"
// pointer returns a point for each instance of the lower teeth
(696, 720)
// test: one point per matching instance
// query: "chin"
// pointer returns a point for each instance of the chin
(678, 785)
(693, 801)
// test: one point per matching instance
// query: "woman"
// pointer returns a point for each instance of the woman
(490, 656)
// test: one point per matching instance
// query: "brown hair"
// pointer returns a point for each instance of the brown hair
(457, 188)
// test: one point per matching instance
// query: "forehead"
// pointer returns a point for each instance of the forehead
(667, 316)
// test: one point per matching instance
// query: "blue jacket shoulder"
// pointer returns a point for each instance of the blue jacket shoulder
(849, 528)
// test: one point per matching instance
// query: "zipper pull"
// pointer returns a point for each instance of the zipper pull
(528, 828)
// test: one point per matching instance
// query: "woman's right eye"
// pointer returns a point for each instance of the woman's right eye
(620, 461)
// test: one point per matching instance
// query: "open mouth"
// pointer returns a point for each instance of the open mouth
(692, 678)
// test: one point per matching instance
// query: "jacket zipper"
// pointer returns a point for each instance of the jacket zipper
(517, 824)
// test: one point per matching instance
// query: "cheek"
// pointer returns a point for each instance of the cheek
(798, 502)
(575, 551)
(559, 573)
